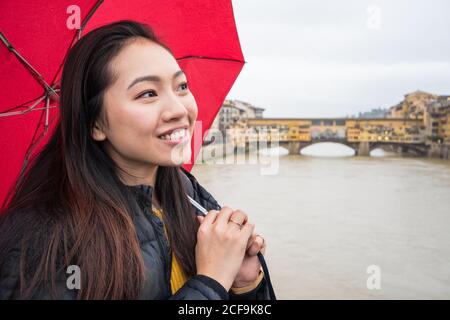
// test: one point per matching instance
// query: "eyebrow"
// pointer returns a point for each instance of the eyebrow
(153, 78)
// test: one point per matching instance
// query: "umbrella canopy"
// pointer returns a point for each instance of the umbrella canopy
(35, 36)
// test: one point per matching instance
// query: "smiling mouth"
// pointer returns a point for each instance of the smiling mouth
(177, 135)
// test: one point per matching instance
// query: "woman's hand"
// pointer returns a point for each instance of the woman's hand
(221, 245)
(251, 267)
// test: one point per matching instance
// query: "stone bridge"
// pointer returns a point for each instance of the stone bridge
(362, 135)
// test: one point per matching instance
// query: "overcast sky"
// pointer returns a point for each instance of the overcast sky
(334, 58)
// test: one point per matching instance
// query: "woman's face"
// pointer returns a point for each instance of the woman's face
(149, 109)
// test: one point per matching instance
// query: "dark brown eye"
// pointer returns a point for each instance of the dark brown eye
(184, 86)
(144, 94)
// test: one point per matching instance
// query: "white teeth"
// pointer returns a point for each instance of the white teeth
(175, 135)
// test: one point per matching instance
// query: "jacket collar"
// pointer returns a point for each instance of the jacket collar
(143, 194)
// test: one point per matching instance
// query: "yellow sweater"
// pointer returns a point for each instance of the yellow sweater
(178, 278)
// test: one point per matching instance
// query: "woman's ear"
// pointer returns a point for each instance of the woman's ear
(97, 133)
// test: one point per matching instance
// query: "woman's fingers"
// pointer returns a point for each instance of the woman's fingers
(257, 244)
(247, 230)
(224, 217)
(220, 240)
(250, 241)
(200, 219)
(238, 216)
(263, 250)
(209, 219)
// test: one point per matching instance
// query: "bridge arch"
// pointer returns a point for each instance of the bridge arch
(359, 148)
(296, 147)
(328, 149)
(414, 149)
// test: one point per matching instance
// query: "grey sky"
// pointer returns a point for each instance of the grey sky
(333, 58)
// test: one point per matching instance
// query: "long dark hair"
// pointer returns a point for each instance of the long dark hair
(70, 207)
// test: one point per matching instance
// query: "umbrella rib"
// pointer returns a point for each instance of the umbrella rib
(77, 36)
(47, 104)
(88, 17)
(15, 113)
(49, 107)
(23, 105)
(49, 89)
(28, 65)
(37, 109)
(211, 58)
(34, 144)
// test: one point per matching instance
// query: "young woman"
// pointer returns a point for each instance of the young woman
(106, 200)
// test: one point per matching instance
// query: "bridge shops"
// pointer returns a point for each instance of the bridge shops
(363, 135)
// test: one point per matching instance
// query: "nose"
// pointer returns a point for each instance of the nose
(173, 109)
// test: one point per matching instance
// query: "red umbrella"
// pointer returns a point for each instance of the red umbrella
(36, 35)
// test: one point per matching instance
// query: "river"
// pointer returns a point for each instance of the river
(328, 217)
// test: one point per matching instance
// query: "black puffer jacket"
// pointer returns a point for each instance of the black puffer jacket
(156, 254)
